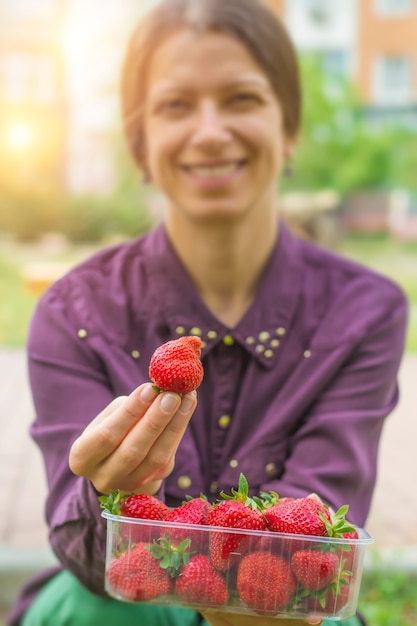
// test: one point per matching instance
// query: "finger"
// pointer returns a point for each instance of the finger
(110, 427)
(156, 419)
(160, 457)
(108, 410)
(147, 451)
(173, 433)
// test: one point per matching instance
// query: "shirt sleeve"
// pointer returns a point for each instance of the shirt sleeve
(69, 388)
(334, 452)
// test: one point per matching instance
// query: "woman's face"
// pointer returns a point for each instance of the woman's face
(213, 127)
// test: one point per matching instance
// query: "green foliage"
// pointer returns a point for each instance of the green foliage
(92, 218)
(395, 259)
(16, 304)
(389, 598)
(340, 148)
(128, 203)
(30, 212)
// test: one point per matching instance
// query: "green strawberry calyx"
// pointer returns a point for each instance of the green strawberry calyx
(171, 558)
(321, 595)
(188, 498)
(338, 525)
(111, 502)
(266, 500)
(159, 390)
(241, 494)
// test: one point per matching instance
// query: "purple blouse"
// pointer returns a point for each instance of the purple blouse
(294, 396)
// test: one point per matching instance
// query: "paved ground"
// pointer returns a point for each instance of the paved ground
(23, 535)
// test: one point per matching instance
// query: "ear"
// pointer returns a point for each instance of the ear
(289, 148)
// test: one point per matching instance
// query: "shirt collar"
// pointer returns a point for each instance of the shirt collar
(265, 326)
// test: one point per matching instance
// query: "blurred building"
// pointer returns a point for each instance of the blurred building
(387, 52)
(33, 106)
(59, 68)
(95, 35)
(373, 42)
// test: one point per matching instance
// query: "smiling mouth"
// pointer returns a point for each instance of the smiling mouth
(216, 170)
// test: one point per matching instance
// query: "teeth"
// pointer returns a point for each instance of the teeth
(211, 172)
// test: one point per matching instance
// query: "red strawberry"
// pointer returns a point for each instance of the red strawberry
(268, 542)
(140, 506)
(353, 534)
(143, 506)
(226, 548)
(330, 600)
(176, 366)
(315, 569)
(137, 575)
(265, 582)
(199, 583)
(300, 516)
(195, 511)
(347, 553)
(237, 511)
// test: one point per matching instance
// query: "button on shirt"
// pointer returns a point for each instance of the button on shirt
(305, 379)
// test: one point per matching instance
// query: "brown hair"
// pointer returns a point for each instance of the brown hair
(249, 21)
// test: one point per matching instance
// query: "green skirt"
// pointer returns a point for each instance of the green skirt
(65, 602)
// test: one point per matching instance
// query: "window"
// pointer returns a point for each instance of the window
(335, 62)
(392, 8)
(319, 12)
(392, 81)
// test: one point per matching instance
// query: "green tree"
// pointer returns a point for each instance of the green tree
(340, 148)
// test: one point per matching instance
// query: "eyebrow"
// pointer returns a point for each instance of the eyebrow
(255, 81)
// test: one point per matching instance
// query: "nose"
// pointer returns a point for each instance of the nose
(211, 130)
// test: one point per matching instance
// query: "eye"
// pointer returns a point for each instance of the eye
(174, 105)
(243, 98)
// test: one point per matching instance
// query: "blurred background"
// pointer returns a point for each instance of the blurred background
(67, 187)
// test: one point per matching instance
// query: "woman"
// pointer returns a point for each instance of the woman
(301, 348)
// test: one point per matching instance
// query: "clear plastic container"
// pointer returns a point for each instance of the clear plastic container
(254, 572)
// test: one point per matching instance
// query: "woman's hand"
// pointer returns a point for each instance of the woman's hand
(131, 444)
(217, 618)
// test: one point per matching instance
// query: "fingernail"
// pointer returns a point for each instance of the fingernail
(169, 402)
(187, 402)
(148, 393)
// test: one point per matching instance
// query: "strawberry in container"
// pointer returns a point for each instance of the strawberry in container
(255, 556)
(260, 555)
(193, 511)
(235, 511)
(137, 576)
(136, 506)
